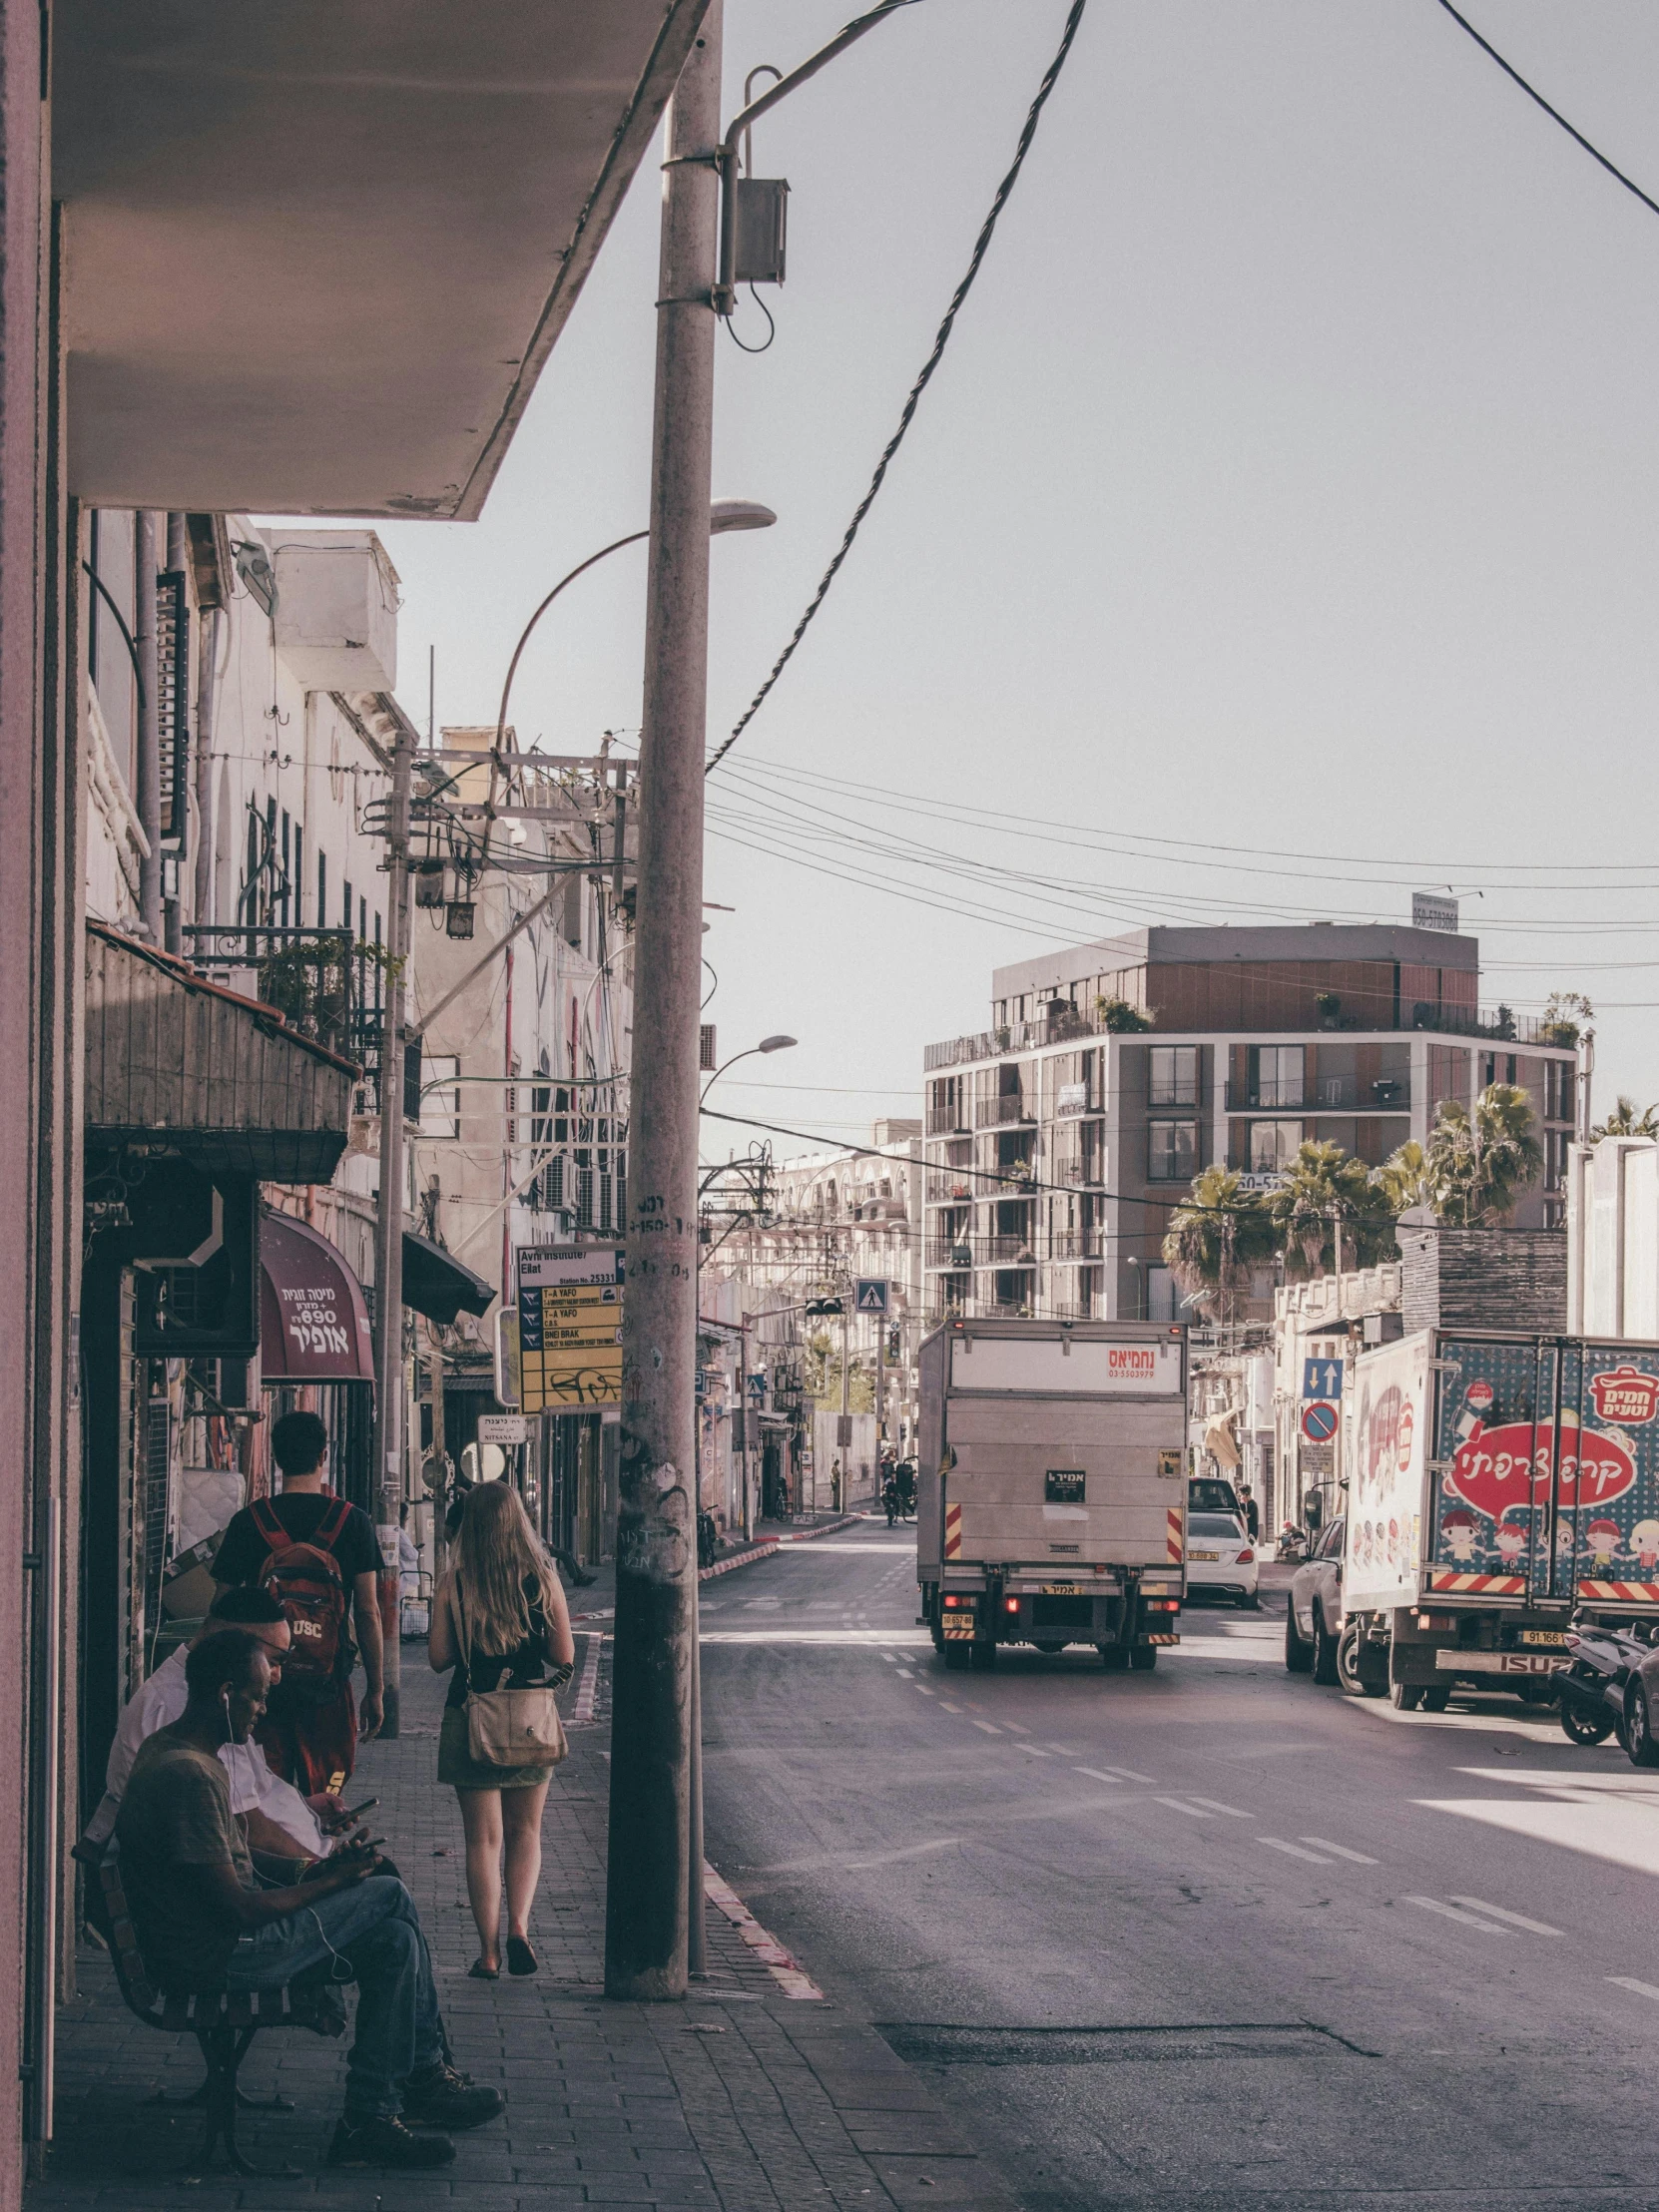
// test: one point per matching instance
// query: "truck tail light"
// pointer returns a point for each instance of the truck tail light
(955, 1602)
(1163, 1605)
(1012, 1604)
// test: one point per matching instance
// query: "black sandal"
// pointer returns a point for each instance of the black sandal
(520, 1958)
(480, 1972)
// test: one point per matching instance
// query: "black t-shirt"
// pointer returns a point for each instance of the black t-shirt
(243, 1551)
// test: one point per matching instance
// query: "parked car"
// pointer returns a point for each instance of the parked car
(1610, 1686)
(1221, 1556)
(1210, 1494)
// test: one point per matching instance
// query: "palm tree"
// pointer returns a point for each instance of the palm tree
(1403, 1177)
(1216, 1240)
(1624, 1121)
(1325, 1194)
(1481, 1162)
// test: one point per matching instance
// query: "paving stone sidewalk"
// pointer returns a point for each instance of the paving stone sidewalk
(742, 2099)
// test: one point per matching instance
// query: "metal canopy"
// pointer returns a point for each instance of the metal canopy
(435, 1283)
(317, 255)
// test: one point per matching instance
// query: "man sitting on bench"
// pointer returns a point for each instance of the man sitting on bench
(281, 1827)
(204, 1921)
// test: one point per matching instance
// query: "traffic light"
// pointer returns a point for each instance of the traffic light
(823, 1305)
(895, 1343)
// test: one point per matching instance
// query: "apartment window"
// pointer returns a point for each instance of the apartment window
(1273, 1144)
(321, 890)
(440, 1095)
(1163, 1299)
(1172, 1151)
(1556, 1142)
(283, 893)
(1173, 1075)
(1277, 1074)
(1496, 1067)
(300, 874)
(1558, 1090)
(345, 908)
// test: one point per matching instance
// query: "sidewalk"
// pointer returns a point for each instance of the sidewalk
(597, 1600)
(743, 2099)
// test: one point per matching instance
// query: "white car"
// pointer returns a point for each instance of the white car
(1220, 1556)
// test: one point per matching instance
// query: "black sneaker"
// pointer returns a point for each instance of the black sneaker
(386, 2143)
(449, 2099)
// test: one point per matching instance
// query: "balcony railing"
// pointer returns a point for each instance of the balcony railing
(952, 1190)
(326, 984)
(997, 1113)
(1079, 1169)
(949, 1251)
(1004, 1252)
(1074, 1244)
(1326, 1094)
(948, 1121)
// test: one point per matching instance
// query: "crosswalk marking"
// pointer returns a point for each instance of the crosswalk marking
(1112, 1773)
(1503, 1913)
(1323, 1842)
(1454, 1913)
(1294, 1851)
(946, 1706)
(987, 1726)
(1629, 1981)
(1176, 1805)
(1232, 1811)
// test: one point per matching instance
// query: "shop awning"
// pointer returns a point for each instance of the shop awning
(174, 1059)
(313, 1324)
(435, 1283)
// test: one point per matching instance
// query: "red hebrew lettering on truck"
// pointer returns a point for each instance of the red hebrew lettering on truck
(1496, 1469)
(1136, 1359)
(1624, 1393)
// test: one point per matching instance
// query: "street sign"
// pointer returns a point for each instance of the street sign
(503, 1429)
(1321, 1378)
(1318, 1421)
(870, 1295)
(569, 1325)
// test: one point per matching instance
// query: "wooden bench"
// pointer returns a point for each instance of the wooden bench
(224, 2022)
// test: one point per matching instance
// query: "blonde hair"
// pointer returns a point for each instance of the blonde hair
(496, 1553)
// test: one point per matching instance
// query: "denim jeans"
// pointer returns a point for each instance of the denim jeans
(376, 1929)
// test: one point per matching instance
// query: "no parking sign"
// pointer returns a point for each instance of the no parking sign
(1318, 1421)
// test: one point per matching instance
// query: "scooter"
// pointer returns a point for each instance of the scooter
(1594, 1686)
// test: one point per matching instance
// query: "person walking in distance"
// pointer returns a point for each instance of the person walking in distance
(498, 1619)
(319, 1558)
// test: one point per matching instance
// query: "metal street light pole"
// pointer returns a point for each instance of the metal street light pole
(648, 1870)
(388, 1230)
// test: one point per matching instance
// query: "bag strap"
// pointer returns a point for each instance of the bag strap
(328, 1531)
(269, 1527)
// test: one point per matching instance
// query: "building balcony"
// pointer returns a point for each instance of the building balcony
(949, 1251)
(1326, 1094)
(1079, 1170)
(952, 1190)
(1001, 1113)
(1004, 1252)
(1074, 1244)
(948, 1121)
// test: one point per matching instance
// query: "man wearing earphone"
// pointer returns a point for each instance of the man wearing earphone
(205, 1921)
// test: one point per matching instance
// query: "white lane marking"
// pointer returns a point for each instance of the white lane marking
(946, 1706)
(1176, 1805)
(1324, 1843)
(1454, 1913)
(1015, 1727)
(923, 1687)
(1066, 1751)
(1278, 1843)
(889, 1657)
(1629, 1982)
(1503, 1913)
(987, 1726)
(1031, 1750)
(1232, 1811)
(1113, 1773)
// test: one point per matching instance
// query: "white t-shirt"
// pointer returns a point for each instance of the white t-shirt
(158, 1704)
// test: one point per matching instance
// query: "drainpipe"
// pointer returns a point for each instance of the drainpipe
(149, 777)
(205, 686)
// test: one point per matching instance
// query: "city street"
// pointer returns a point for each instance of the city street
(1199, 1937)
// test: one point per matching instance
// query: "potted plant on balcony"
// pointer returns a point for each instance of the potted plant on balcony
(1120, 1018)
(1566, 1017)
(1328, 1007)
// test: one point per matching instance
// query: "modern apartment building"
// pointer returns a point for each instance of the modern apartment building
(1058, 1140)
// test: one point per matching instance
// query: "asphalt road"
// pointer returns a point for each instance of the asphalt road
(1205, 1938)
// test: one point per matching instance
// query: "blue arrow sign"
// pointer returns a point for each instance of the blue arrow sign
(1321, 1378)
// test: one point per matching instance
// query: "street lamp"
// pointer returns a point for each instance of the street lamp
(767, 1044)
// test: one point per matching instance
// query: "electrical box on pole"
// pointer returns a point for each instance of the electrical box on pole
(762, 227)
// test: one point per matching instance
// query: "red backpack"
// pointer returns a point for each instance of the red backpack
(306, 1581)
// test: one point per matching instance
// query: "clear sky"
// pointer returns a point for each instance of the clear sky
(1289, 487)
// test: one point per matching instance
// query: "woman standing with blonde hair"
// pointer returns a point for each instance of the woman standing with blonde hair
(499, 1620)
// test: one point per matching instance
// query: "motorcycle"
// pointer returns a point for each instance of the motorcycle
(1594, 1687)
(708, 1537)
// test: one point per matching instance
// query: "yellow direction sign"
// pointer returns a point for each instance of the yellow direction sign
(569, 1325)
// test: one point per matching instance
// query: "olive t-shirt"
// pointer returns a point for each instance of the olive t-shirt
(174, 1819)
(243, 1550)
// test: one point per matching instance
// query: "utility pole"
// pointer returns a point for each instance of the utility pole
(149, 779)
(389, 1229)
(649, 1872)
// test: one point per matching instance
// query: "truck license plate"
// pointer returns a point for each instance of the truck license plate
(1555, 1638)
(1062, 1589)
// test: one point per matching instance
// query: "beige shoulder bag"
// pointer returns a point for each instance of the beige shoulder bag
(508, 1727)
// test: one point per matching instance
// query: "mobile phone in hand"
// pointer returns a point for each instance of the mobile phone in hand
(357, 1811)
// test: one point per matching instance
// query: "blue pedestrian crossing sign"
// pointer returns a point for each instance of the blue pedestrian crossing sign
(1321, 1378)
(870, 1295)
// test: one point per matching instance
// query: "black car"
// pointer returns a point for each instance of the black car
(1610, 1686)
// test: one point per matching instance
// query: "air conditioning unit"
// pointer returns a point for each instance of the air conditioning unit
(335, 618)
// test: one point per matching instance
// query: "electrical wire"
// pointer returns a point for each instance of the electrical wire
(981, 244)
(1554, 114)
(771, 328)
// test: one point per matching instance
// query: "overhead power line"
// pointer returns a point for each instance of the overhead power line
(980, 245)
(1554, 114)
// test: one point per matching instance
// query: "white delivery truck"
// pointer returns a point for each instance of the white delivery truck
(1502, 1486)
(1051, 1493)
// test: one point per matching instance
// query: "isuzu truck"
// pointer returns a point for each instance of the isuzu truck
(1051, 1495)
(1500, 1485)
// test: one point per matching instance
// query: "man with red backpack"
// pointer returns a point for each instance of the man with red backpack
(317, 1555)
